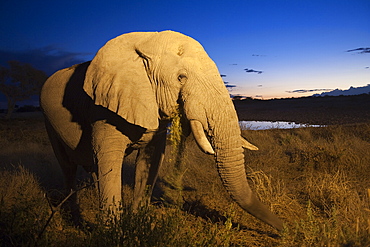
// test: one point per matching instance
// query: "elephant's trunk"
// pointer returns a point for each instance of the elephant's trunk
(229, 157)
(215, 113)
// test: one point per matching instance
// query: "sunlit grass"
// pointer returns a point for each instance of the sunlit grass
(315, 179)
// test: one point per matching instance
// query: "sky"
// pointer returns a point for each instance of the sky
(266, 48)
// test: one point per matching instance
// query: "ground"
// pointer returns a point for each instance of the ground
(315, 179)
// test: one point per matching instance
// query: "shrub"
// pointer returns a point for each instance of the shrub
(23, 208)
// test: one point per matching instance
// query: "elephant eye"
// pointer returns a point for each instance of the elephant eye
(182, 78)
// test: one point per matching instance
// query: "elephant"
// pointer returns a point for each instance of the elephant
(99, 111)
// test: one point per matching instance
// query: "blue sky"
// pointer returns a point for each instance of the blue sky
(298, 44)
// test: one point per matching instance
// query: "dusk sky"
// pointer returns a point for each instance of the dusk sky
(266, 48)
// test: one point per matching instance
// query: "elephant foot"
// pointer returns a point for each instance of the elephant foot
(73, 216)
(77, 218)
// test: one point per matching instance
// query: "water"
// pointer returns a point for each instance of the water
(262, 125)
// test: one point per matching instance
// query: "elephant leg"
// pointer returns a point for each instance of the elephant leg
(109, 146)
(69, 170)
(148, 162)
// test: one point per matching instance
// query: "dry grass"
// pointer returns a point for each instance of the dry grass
(323, 186)
(315, 179)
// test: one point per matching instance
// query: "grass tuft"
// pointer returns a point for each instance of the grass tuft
(315, 179)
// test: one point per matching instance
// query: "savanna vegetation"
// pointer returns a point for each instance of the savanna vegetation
(19, 82)
(315, 179)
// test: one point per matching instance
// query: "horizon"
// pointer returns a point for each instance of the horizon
(266, 49)
(34, 101)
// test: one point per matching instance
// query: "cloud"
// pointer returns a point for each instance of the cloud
(350, 91)
(228, 85)
(361, 50)
(48, 59)
(308, 90)
(253, 71)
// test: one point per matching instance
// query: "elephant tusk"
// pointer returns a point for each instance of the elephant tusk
(200, 137)
(246, 144)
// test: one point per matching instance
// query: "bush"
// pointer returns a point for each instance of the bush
(23, 208)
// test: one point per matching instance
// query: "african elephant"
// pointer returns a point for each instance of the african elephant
(98, 111)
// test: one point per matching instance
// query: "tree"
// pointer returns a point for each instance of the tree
(19, 82)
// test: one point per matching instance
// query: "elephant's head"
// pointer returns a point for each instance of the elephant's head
(143, 76)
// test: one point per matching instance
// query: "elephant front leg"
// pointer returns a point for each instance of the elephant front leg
(148, 162)
(109, 146)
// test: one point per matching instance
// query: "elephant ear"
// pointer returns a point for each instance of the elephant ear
(117, 80)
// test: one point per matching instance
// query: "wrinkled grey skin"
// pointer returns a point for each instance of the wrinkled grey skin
(98, 111)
